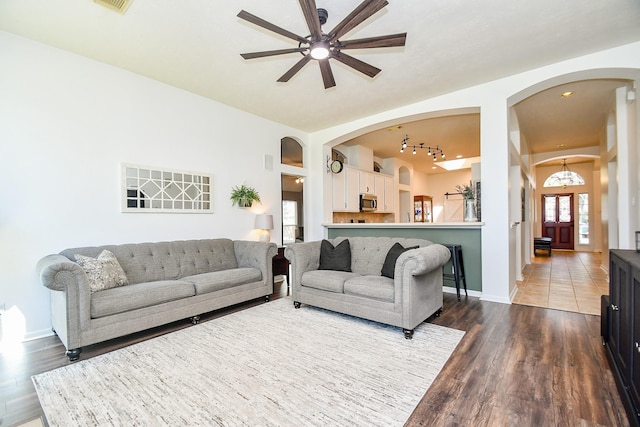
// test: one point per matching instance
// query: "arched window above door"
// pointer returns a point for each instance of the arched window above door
(290, 152)
(563, 179)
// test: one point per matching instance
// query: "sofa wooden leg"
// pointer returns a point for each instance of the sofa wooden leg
(408, 333)
(439, 312)
(296, 304)
(195, 319)
(267, 298)
(74, 354)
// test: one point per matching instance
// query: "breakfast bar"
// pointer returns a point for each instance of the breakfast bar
(466, 234)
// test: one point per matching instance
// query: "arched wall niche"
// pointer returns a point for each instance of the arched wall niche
(291, 152)
(404, 176)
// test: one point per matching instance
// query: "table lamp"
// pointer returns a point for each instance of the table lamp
(264, 222)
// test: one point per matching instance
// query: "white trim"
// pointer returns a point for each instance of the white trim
(34, 335)
(452, 290)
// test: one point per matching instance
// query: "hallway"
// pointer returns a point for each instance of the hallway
(568, 280)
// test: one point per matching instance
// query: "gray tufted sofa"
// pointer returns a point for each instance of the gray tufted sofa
(167, 281)
(412, 296)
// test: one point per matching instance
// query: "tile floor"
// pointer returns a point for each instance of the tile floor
(570, 281)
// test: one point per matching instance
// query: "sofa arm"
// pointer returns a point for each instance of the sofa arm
(422, 260)
(70, 299)
(257, 255)
(303, 257)
(59, 274)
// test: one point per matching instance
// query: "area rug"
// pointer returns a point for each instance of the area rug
(270, 365)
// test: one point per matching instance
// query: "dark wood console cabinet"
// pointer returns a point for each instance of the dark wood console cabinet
(281, 265)
(623, 343)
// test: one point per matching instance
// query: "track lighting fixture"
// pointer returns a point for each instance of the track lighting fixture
(431, 151)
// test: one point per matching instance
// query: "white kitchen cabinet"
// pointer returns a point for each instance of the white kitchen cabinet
(378, 190)
(367, 182)
(346, 194)
(352, 196)
(339, 192)
(389, 195)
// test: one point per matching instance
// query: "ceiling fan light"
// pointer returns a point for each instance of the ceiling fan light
(320, 50)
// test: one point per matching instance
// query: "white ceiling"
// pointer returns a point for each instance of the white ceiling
(451, 44)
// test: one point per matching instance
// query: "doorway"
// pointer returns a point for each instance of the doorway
(292, 209)
(558, 221)
(291, 190)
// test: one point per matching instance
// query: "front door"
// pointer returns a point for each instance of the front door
(557, 214)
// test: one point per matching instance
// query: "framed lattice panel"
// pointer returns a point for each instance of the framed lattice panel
(147, 189)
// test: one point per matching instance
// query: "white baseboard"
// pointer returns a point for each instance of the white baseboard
(34, 335)
(452, 290)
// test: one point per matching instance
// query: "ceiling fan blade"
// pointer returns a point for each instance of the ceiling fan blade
(253, 55)
(293, 70)
(356, 64)
(327, 74)
(269, 26)
(356, 17)
(373, 42)
(310, 12)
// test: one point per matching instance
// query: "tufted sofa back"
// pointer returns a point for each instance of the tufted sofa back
(148, 262)
(368, 253)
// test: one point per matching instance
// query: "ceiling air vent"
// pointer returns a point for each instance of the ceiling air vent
(117, 5)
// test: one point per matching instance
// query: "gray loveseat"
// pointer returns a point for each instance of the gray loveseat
(165, 282)
(409, 298)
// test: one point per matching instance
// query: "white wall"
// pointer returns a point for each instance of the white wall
(66, 124)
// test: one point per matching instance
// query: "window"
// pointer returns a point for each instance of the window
(563, 179)
(583, 218)
(147, 189)
(550, 208)
(289, 221)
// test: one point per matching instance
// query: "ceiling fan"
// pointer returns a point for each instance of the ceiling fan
(324, 46)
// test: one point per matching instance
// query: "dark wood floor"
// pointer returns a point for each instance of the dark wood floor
(515, 366)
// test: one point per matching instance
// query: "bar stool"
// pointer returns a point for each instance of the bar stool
(458, 268)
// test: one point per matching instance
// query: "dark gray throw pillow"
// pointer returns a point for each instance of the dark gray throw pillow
(389, 266)
(335, 258)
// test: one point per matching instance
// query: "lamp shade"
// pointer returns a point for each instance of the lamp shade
(264, 222)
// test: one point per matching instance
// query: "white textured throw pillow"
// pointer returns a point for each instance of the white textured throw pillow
(104, 272)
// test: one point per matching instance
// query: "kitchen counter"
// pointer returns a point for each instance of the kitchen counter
(413, 225)
(466, 234)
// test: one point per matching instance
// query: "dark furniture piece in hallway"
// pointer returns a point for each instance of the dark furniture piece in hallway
(457, 275)
(542, 243)
(623, 340)
(281, 265)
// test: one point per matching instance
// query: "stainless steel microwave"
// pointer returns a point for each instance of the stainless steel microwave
(368, 202)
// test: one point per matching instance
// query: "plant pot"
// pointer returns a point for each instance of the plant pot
(470, 211)
(245, 204)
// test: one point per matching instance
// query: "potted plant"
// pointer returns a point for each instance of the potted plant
(244, 196)
(469, 195)
(467, 191)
